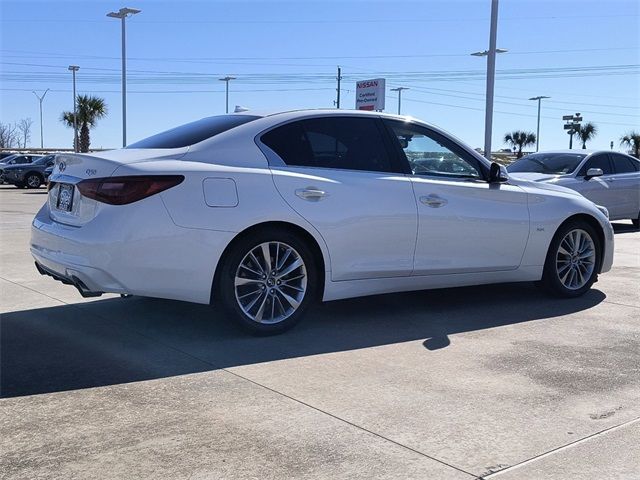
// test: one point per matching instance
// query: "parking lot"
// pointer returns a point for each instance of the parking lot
(498, 381)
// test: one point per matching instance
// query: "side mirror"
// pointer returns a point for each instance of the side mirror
(498, 173)
(593, 172)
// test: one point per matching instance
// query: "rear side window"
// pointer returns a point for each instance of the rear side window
(347, 143)
(597, 161)
(622, 164)
(194, 132)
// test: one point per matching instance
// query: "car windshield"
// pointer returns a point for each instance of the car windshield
(194, 132)
(550, 163)
(8, 159)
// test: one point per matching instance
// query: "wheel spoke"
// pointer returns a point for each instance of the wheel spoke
(257, 262)
(292, 301)
(260, 312)
(284, 259)
(266, 255)
(245, 281)
(297, 263)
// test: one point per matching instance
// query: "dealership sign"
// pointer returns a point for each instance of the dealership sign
(370, 94)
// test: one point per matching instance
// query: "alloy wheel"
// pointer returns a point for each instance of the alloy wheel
(575, 259)
(33, 181)
(270, 282)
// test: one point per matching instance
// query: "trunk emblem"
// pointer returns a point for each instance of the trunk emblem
(90, 171)
(62, 166)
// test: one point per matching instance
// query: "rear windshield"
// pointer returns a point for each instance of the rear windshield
(194, 132)
(550, 163)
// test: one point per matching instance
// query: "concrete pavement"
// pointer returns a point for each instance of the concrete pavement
(497, 381)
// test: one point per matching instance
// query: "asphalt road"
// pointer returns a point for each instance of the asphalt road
(498, 381)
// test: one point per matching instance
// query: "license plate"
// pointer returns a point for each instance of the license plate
(65, 197)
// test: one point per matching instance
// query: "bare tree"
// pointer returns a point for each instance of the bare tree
(24, 127)
(9, 137)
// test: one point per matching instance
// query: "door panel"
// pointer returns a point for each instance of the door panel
(341, 177)
(600, 190)
(368, 220)
(474, 227)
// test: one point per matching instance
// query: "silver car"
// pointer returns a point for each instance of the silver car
(609, 179)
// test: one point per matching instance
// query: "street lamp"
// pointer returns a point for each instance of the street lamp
(538, 129)
(40, 99)
(74, 69)
(122, 14)
(491, 76)
(227, 79)
(399, 90)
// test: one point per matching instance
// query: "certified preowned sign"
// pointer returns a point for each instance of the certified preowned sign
(370, 94)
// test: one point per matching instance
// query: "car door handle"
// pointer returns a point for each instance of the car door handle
(311, 194)
(433, 201)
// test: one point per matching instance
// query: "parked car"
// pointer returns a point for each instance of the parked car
(30, 175)
(47, 173)
(607, 178)
(15, 159)
(265, 214)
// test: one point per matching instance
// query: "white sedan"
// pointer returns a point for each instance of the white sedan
(263, 214)
(610, 179)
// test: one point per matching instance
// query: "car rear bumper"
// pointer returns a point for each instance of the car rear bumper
(139, 251)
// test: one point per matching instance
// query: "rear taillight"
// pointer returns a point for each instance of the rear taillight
(124, 190)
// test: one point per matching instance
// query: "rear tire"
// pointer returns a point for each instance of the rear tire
(268, 296)
(573, 259)
(636, 221)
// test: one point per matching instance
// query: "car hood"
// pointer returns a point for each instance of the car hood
(534, 177)
(541, 183)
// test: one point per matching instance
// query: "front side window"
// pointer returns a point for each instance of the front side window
(623, 164)
(431, 154)
(346, 143)
(600, 161)
(194, 132)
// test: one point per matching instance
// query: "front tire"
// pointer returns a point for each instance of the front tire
(268, 280)
(636, 221)
(573, 259)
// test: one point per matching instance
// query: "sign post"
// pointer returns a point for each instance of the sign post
(370, 94)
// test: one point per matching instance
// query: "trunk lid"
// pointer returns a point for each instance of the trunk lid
(66, 203)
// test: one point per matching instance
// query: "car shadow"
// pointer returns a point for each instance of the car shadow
(115, 341)
(624, 228)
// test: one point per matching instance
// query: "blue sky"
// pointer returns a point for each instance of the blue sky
(583, 54)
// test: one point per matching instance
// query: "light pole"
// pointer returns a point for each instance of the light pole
(399, 90)
(74, 69)
(227, 79)
(491, 76)
(538, 129)
(122, 14)
(40, 99)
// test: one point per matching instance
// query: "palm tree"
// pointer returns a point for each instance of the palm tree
(632, 141)
(520, 139)
(586, 132)
(90, 110)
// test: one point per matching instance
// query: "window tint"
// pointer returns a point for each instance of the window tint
(431, 154)
(331, 142)
(597, 161)
(551, 163)
(623, 164)
(194, 132)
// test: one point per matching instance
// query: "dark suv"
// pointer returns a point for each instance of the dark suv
(15, 159)
(30, 175)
